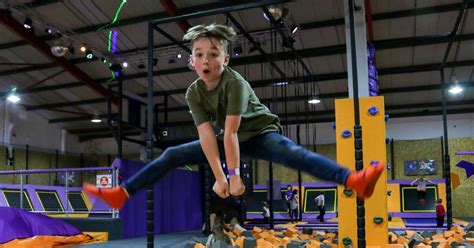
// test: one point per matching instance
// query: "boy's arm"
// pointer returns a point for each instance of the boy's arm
(232, 152)
(414, 181)
(207, 138)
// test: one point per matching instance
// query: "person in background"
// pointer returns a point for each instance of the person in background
(294, 206)
(440, 213)
(320, 203)
(288, 195)
(421, 188)
(265, 212)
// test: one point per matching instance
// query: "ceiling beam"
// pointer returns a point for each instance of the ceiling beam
(15, 27)
(220, 4)
(305, 53)
(307, 118)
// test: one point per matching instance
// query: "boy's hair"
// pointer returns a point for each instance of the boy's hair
(440, 200)
(222, 33)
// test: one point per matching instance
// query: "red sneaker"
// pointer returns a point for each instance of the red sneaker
(363, 181)
(115, 197)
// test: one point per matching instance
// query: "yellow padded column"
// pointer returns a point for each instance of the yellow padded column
(374, 148)
(345, 156)
(373, 145)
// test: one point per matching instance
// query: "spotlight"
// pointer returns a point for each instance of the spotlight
(83, 49)
(238, 50)
(96, 118)
(125, 64)
(28, 24)
(49, 31)
(294, 28)
(288, 43)
(178, 56)
(89, 55)
(277, 12)
(104, 60)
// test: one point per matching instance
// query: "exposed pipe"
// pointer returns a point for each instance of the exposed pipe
(14, 26)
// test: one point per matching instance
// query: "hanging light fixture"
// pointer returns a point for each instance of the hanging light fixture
(238, 50)
(314, 100)
(28, 23)
(13, 97)
(96, 118)
(455, 88)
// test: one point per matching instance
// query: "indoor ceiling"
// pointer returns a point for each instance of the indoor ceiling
(410, 37)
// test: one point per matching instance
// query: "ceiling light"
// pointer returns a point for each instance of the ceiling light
(455, 89)
(238, 50)
(28, 24)
(314, 101)
(125, 64)
(280, 83)
(178, 55)
(96, 119)
(83, 48)
(13, 97)
(89, 54)
(294, 28)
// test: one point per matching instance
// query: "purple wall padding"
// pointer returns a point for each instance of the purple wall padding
(177, 203)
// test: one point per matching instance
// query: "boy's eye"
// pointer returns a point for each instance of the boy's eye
(214, 55)
(198, 55)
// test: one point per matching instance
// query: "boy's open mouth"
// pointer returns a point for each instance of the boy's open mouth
(206, 71)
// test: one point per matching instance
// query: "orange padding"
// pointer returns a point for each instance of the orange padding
(49, 241)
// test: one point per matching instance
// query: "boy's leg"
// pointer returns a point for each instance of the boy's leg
(173, 157)
(277, 148)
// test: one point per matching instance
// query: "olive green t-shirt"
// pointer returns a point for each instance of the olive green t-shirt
(232, 96)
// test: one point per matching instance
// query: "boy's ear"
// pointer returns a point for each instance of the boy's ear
(226, 60)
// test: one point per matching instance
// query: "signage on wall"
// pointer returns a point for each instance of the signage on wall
(104, 181)
(420, 167)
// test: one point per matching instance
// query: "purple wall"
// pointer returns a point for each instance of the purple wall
(177, 203)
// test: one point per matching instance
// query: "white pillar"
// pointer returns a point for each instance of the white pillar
(361, 48)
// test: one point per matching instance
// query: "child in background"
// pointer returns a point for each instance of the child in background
(440, 213)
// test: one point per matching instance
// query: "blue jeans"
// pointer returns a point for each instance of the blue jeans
(270, 146)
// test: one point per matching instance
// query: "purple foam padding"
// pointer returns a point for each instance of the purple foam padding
(306, 185)
(413, 215)
(420, 222)
(313, 216)
(464, 153)
(18, 224)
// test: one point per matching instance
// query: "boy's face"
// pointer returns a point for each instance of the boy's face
(208, 58)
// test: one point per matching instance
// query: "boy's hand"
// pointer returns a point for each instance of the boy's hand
(236, 186)
(221, 188)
